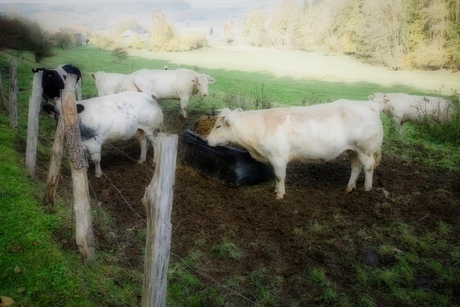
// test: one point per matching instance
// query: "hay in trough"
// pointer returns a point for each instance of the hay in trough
(204, 125)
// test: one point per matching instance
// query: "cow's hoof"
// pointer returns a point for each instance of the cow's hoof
(349, 189)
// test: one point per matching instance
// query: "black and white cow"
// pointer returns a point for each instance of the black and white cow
(54, 81)
(116, 117)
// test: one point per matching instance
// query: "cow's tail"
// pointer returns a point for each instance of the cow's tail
(377, 157)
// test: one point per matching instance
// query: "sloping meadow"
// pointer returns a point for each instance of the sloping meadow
(396, 245)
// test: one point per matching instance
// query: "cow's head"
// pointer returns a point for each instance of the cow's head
(380, 101)
(221, 134)
(200, 84)
(53, 80)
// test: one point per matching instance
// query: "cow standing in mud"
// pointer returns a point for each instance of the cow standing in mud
(117, 117)
(319, 132)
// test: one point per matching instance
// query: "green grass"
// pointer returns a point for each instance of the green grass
(35, 270)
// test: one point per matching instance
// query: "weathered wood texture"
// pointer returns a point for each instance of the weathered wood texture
(83, 220)
(158, 200)
(13, 94)
(3, 101)
(32, 125)
(54, 169)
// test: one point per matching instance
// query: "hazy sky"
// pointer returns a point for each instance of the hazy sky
(194, 3)
(201, 12)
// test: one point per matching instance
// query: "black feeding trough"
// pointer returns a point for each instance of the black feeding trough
(229, 165)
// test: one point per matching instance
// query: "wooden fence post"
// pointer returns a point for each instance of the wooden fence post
(83, 221)
(55, 164)
(32, 125)
(158, 200)
(3, 104)
(13, 94)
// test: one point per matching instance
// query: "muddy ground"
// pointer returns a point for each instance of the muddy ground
(316, 225)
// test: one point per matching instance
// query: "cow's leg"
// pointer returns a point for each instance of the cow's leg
(96, 157)
(368, 164)
(398, 123)
(355, 170)
(183, 106)
(279, 168)
(152, 136)
(143, 141)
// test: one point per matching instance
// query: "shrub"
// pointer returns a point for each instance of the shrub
(24, 35)
(445, 132)
(120, 54)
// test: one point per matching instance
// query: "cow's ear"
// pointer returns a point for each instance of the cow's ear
(80, 108)
(228, 120)
(93, 76)
(210, 79)
(238, 110)
(371, 97)
(195, 80)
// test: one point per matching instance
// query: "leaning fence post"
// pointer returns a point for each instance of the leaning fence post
(158, 200)
(32, 125)
(55, 164)
(83, 222)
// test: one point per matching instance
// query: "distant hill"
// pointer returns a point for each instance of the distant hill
(101, 16)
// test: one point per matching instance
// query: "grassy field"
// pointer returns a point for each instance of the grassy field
(36, 271)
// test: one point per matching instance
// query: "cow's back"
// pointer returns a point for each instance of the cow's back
(118, 116)
(318, 132)
(168, 84)
(414, 107)
(113, 83)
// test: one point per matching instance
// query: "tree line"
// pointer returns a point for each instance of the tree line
(24, 35)
(397, 34)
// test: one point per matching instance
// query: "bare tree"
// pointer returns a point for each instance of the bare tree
(384, 36)
(282, 23)
(255, 29)
(161, 31)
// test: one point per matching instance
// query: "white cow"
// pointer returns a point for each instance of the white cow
(117, 117)
(318, 132)
(178, 84)
(402, 108)
(113, 83)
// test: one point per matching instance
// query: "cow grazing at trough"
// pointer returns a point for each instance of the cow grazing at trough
(113, 83)
(117, 117)
(318, 132)
(178, 84)
(401, 108)
(53, 81)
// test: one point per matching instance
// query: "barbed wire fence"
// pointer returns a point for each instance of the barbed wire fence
(120, 149)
